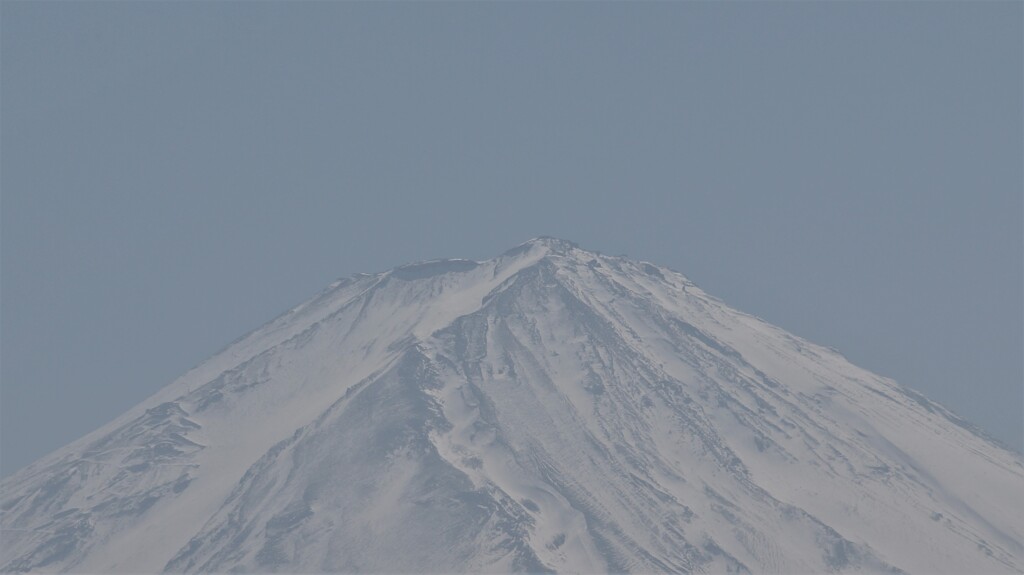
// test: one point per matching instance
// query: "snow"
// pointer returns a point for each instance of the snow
(551, 408)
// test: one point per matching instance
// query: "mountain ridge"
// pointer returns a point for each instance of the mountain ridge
(548, 409)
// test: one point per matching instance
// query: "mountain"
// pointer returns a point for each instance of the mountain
(551, 409)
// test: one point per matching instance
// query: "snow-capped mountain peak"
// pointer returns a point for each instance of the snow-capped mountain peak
(550, 409)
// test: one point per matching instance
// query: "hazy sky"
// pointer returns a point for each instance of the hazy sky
(175, 174)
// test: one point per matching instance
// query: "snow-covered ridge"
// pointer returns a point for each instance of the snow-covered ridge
(549, 409)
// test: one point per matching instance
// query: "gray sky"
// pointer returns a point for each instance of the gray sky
(175, 174)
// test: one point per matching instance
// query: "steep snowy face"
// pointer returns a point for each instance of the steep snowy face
(552, 409)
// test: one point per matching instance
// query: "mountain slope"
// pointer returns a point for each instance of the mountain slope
(551, 409)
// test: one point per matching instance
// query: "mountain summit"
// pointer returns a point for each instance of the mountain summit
(551, 409)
